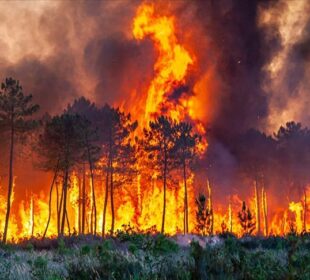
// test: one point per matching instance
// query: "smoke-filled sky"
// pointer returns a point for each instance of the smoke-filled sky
(251, 57)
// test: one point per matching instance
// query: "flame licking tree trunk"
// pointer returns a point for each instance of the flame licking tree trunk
(305, 210)
(257, 207)
(14, 109)
(50, 200)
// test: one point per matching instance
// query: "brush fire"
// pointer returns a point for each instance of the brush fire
(158, 158)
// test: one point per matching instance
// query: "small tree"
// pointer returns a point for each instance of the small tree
(204, 216)
(185, 151)
(16, 110)
(246, 220)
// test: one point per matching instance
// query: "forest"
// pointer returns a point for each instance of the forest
(116, 161)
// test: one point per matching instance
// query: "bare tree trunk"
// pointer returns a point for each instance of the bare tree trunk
(185, 199)
(230, 216)
(105, 203)
(80, 212)
(50, 201)
(257, 208)
(57, 194)
(210, 206)
(83, 201)
(305, 211)
(32, 216)
(112, 198)
(164, 195)
(60, 209)
(94, 208)
(10, 185)
(68, 224)
(64, 212)
(265, 211)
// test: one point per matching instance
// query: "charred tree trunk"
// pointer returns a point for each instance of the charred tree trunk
(57, 206)
(68, 224)
(105, 203)
(185, 199)
(112, 198)
(305, 211)
(50, 202)
(60, 210)
(230, 216)
(80, 206)
(83, 201)
(32, 216)
(10, 185)
(265, 213)
(257, 207)
(164, 195)
(210, 206)
(94, 208)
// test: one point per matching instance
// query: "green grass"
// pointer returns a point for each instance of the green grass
(145, 256)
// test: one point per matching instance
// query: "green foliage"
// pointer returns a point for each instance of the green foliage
(29, 246)
(154, 244)
(61, 247)
(146, 257)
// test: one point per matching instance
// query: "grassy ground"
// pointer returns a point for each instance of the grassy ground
(140, 256)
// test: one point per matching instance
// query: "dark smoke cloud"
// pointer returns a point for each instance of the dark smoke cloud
(119, 65)
(232, 26)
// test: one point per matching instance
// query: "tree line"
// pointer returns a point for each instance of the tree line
(88, 138)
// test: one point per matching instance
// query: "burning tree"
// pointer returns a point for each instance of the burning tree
(118, 152)
(204, 216)
(91, 143)
(294, 154)
(185, 153)
(159, 143)
(255, 163)
(15, 112)
(246, 219)
(61, 148)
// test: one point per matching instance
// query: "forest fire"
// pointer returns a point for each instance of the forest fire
(136, 175)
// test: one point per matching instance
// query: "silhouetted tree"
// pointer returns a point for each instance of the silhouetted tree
(159, 142)
(90, 140)
(16, 110)
(246, 220)
(185, 151)
(293, 147)
(256, 153)
(60, 145)
(118, 151)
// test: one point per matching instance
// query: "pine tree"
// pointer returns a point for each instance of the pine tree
(118, 153)
(246, 220)
(185, 153)
(60, 145)
(16, 110)
(204, 216)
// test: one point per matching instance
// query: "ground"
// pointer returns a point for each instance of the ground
(142, 256)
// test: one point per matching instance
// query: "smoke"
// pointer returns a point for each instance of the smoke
(288, 68)
(61, 50)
